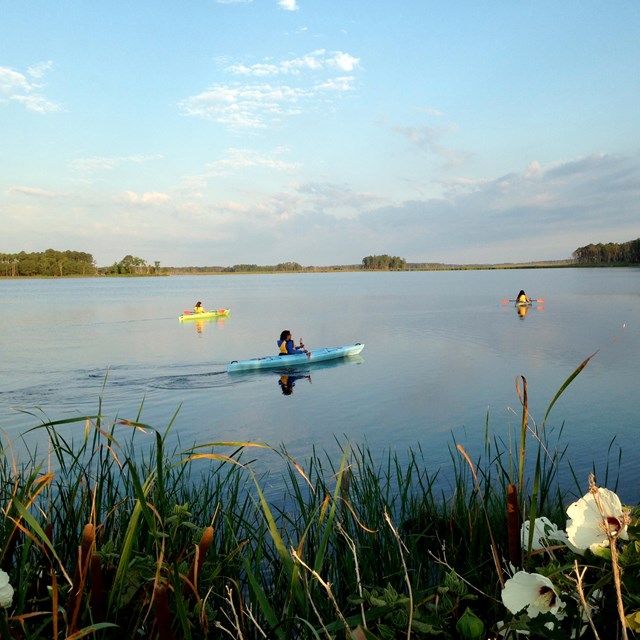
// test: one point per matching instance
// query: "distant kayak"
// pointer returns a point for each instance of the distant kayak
(216, 313)
(296, 359)
(528, 302)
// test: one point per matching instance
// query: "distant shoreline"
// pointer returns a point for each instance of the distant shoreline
(224, 271)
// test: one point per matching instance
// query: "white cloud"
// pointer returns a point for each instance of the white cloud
(318, 60)
(36, 103)
(40, 69)
(36, 192)
(344, 61)
(246, 159)
(12, 81)
(288, 5)
(251, 106)
(153, 197)
(533, 169)
(344, 83)
(16, 87)
(431, 111)
(97, 164)
(431, 140)
(257, 105)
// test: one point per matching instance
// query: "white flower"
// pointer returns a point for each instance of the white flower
(6, 590)
(532, 592)
(593, 517)
(544, 531)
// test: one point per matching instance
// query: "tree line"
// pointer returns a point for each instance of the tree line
(79, 263)
(384, 262)
(130, 265)
(609, 253)
(69, 263)
(47, 263)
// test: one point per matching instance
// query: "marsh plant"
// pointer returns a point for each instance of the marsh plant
(113, 536)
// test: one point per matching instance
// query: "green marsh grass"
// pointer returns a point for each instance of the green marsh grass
(113, 536)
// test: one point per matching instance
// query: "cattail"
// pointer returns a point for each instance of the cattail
(98, 599)
(513, 525)
(163, 620)
(80, 577)
(198, 561)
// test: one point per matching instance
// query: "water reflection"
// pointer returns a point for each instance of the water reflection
(201, 323)
(288, 381)
(523, 309)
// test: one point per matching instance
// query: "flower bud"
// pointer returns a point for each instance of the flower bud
(469, 626)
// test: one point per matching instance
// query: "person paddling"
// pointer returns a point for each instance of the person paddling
(522, 297)
(198, 308)
(287, 345)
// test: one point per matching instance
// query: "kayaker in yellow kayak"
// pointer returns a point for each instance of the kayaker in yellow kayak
(287, 345)
(522, 297)
(199, 308)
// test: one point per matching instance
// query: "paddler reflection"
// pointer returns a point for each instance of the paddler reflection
(522, 309)
(288, 381)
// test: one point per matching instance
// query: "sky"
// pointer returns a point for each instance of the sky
(224, 132)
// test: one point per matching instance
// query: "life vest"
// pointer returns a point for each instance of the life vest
(283, 347)
(198, 310)
(522, 298)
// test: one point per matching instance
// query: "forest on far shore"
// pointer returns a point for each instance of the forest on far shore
(53, 263)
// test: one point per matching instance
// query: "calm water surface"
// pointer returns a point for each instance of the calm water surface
(441, 358)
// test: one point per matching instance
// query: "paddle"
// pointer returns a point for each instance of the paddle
(532, 300)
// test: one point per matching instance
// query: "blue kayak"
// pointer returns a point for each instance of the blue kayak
(296, 359)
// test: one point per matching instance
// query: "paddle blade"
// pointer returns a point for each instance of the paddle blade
(186, 313)
(539, 300)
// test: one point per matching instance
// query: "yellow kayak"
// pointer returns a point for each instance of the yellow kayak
(216, 313)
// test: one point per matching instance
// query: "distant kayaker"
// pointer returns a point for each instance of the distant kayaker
(287, 345)
(522, 297)
(198, 308)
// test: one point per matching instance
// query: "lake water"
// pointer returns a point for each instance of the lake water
(442, 353)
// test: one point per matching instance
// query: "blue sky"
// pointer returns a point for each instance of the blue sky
(318, 131)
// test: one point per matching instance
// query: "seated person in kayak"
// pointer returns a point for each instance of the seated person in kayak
(522, 297)
(287, 345)
(199, 308)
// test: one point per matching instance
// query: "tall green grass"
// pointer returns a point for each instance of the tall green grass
(111, 539)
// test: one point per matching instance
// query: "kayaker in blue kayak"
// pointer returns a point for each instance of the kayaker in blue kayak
(198, 308)
(287, 345)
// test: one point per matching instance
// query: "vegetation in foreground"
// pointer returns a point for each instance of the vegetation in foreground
(103, 541)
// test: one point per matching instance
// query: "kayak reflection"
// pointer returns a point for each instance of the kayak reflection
(288, 381)
(201, 323)
(523, 308)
